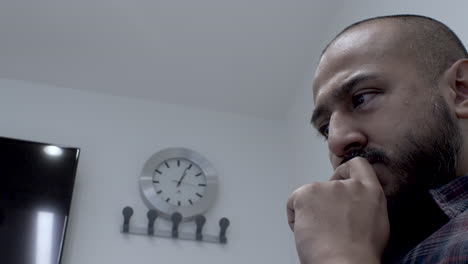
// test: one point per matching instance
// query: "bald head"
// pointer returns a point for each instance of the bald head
(432, 45)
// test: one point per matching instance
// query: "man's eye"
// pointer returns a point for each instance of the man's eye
(362, 98)
(324, 130)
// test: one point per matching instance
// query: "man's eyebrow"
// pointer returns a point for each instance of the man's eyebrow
(318, 112)
(343, 90)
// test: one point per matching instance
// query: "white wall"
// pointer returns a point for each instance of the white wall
(117, 135)
(451, 13)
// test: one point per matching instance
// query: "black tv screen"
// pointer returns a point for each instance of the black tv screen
(36, 186)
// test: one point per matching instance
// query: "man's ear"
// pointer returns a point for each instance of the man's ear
(457, 76)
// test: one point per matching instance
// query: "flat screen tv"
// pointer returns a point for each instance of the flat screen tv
(36, 186)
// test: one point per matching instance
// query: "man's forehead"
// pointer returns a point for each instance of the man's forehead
(367, 44)
(326, 86)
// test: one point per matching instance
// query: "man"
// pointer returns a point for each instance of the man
(391, 98)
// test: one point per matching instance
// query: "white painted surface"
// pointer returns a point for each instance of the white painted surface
(116, 136)
(451, 13)
(243, 56)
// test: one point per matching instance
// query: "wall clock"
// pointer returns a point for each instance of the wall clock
(178, 180)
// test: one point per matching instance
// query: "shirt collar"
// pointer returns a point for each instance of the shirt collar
(452, 197)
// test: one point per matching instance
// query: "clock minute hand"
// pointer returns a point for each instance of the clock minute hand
(183, 176)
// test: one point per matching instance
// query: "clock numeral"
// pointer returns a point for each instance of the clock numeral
(168, 199)
(158, 192)
(198, 174)
(158, 171)
(155, 181)
(190, 201)
(201, 184)
(190, 166)
(178, 163)
(199, 195)
(178, 203)
(167, 165)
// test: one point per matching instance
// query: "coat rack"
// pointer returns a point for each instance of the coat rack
(174, 233)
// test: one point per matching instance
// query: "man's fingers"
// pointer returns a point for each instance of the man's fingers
(361, 169)
(357, 168)
(341, 173)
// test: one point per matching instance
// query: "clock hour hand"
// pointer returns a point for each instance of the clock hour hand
(185, 183)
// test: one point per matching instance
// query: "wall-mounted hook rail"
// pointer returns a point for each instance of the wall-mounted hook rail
(176, 219)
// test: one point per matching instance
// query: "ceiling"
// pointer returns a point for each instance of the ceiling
(244, 56)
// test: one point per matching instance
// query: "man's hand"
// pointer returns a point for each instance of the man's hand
(343, 220)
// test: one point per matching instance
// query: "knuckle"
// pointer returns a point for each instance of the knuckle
(342, 167)
(355, 184)
(337, 185)
(338, 188)
(303, 194)
(307, 188)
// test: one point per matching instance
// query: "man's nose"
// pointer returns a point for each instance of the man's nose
(344, 135)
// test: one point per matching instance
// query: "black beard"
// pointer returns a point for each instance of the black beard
(413, 214)
(426, 159)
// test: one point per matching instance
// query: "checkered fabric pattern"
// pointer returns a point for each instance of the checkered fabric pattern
(449, 244)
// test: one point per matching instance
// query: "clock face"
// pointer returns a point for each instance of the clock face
(179, 182)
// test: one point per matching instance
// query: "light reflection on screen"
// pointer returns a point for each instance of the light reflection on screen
(53, 151)
(44, 235)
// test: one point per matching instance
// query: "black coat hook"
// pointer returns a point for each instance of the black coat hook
(152, 214)
(176, 218)
(127, 213)
(223, 224)
(200, 221)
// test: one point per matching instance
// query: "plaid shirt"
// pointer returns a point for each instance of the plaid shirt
(449, 244)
